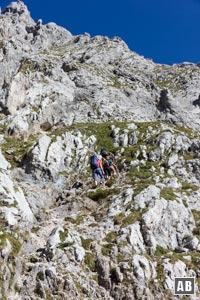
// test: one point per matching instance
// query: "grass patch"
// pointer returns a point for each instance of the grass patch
(1, 44)
(189, 156)
(15, 149)
(188, 186)
(35, 229)
(196, 215)
(79, 219)
(63, 235)
(102, 132)
(30, 66)
(16, 245)
(189, 132)
(140, 186)
(110, 182)
(168, 194)
(111, 237)
(160, 274)
(134, 216)
(90, 261)
(160, 251)
(101, 194)
(185, 203)
(194, 263)
(142, 173)
(86, 243)
(64, 245)
(63, 173)
(118, 218)
(106, 249)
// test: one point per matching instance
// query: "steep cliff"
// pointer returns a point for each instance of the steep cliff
(62, 98)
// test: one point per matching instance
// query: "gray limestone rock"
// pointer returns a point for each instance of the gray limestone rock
(63, 98)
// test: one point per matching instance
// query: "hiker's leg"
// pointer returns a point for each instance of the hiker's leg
(95, 176)
(101, 175)
(112, 169)
(107, 171)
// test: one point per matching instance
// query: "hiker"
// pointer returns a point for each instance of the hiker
(113, 167)
(110, 166)
(97, 169)
(105, 153)
(106, 168)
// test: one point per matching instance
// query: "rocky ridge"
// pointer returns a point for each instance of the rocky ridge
(63, 97)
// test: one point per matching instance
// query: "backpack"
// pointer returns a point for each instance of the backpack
(110, 161)
(94, 162)
(104, 152)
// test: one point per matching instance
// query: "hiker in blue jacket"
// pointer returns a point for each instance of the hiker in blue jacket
(97, 169)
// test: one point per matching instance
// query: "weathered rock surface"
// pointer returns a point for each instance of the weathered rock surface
(62, 98)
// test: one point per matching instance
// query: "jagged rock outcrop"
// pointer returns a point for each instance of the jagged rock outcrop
(51, 77)
(62, 98)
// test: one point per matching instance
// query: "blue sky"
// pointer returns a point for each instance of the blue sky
(167, 31)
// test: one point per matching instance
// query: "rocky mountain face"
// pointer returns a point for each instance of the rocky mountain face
(62, 98)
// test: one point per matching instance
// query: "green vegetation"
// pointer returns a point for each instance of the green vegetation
(16, 245)
(90, 261)
(142, 173)
(30, 66)
(168, 194)
(189, 156)
(102, 131)
(35, 109)
(14, 149)
(160, 251)
(4, 203)
(95, 278)
(111, 237)
(189, 186)
(48, 293)
(196, 215)
(1, 44)
(134, 216)
(16, 287)
(79, 219)
(35, 229)
(160, 273)
(142, 185)
(185, 203)
(63, 173)
(173, 81)
(118, 218)
(110, 182)
(56, 50)
(64, 245)
(115, 83)
(93, 225)
(189, 132)
(63, 235)
(86, 243)
(105, 249)
(33, 259)
(101, 194)
(194, 263)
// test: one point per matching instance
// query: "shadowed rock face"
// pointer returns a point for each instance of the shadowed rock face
(62, 99)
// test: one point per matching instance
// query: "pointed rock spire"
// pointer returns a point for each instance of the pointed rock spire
(19, 10)
(17, 7)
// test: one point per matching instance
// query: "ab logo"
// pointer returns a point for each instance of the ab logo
(184, 286)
